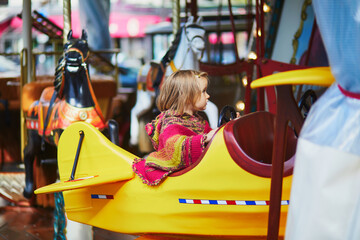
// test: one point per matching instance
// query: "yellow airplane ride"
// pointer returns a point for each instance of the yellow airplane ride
(226, 193)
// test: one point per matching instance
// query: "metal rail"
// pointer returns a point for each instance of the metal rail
(54, 32)
(115, 71)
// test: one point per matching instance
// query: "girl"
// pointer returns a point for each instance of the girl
(178, 134)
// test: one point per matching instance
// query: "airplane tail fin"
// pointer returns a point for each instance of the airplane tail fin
(98, 160)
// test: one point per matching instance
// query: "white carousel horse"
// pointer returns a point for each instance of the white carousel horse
(184, 53)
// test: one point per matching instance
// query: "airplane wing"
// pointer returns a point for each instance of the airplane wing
(83, 182)
(99, 162)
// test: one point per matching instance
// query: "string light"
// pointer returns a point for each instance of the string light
(252, 55)
(240, 105)
(266, 8)
(245, 81)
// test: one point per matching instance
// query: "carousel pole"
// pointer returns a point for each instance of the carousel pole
(77, 229)
(67, 19)
(26, 65)
(27, 37)
(59, 210)
(176, 16)
(260, 50)
(279, 138)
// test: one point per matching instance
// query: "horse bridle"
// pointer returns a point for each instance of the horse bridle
(83, 59)
(190, 45)
(196, 36)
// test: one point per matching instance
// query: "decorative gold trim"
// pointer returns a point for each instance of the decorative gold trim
(172, 65)
(295, 42)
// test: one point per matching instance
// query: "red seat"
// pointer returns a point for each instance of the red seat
(250, 140)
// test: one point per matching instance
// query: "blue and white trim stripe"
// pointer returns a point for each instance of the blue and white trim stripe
(229, 202)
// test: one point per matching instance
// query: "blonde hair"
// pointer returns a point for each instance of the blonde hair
(180, 89)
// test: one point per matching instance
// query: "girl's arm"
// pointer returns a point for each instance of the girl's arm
(209, 136)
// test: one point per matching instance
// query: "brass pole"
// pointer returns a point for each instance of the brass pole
(23, 80)
(27, 36)
(67, 18)
(176, 16)
(33, 64)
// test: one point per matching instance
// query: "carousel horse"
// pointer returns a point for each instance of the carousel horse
(71, 99)
(184, 53)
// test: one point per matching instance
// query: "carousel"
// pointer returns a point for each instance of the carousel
(262, 176)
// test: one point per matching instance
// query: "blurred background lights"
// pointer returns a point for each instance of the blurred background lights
(133, 27)
(245, 81)
(252, 55)
(266, 8)
(113, 28)
(240, 106)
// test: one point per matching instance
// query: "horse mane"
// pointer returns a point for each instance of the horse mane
(59, 76)
(170, 54)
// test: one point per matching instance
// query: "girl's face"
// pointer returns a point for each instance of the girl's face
(201, 102)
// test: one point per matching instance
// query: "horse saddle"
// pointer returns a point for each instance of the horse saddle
(62, 114)
(44, 107)
(150, 74)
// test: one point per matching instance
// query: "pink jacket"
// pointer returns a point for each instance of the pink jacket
(178, 141)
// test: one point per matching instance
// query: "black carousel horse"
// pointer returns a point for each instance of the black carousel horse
(71, 99)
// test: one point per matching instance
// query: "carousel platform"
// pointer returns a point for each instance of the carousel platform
(21, 220)
(31, 223)
(18, 222)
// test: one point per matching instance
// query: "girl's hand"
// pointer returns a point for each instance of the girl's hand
(209, 136)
